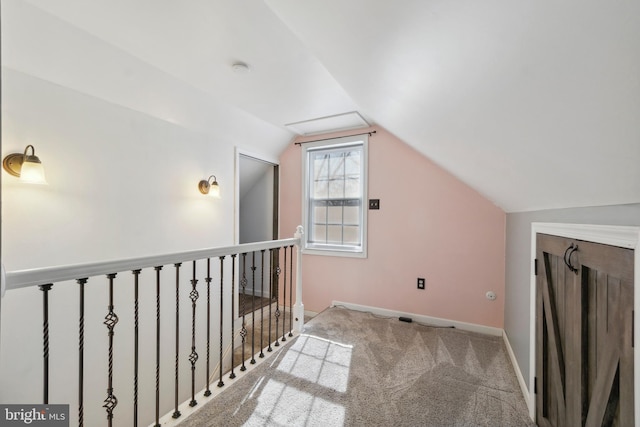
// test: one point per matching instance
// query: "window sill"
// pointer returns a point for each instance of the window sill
(334, 253)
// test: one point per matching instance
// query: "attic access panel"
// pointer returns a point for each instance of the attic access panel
(335, 123)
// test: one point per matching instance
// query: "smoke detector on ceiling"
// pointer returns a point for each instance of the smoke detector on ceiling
(240, 68)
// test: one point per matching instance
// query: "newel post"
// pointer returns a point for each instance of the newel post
(298, 307)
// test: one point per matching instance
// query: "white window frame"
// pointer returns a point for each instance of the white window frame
(335, 250)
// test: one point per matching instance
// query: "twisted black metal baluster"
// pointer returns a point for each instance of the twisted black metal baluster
(193, 357)
(277, 313)
(290, 291)
(220, 382)
(110, 321)
(284, 297)
(136, 274)
(208, 280)
(158, 345)
(261, 304)
(45, 340)
(243, 331)
(177, 413)
(270, 293)
(233, 312)
(253, 308)
(81, 282)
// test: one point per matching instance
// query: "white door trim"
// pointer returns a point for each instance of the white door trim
(622, 236)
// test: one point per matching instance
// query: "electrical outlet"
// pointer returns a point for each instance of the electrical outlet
(374, 204)
(421, 283)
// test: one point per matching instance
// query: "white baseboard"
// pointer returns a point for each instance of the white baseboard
(516, 368)
(310, 313)
(436, 321)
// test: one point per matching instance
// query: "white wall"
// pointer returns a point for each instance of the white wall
(126, 180)
(121, 184)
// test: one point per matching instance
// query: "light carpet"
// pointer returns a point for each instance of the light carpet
(350, 368)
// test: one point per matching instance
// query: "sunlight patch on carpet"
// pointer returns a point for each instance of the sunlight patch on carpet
(320, 361)
(282, 405)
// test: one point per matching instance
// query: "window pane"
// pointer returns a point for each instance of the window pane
(320, 214)
(334, 234)
(335, 214)
(320, 189)
(352, 235)
(352, 215)
(352, 163)
(352, 187)
(336, 189)
(336, 165)
(320, 166)
(319, 234)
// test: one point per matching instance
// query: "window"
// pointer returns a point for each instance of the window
(335, 191)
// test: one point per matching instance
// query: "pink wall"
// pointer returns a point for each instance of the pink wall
(429, 225)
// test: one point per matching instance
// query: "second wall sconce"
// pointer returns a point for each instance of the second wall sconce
(26, 167)
(210, 187)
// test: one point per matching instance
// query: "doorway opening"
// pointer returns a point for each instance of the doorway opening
(257, 222)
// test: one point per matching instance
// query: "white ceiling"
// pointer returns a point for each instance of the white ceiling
(535, 104)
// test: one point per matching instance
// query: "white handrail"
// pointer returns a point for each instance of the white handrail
(42, 276)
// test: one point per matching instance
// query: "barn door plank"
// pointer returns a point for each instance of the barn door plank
(542, 401)
(590, 337)
(557, 374)
(626, 357)
(605, 377)
(573, 342)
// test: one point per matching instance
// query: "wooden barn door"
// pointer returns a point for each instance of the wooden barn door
(584, 333)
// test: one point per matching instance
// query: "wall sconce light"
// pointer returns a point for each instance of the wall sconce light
(210, 188)
(27, 167)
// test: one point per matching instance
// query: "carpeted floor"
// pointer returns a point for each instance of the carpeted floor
(354, 369)
(251, 303)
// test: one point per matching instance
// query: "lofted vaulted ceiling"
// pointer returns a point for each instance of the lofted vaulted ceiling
(535, 104)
